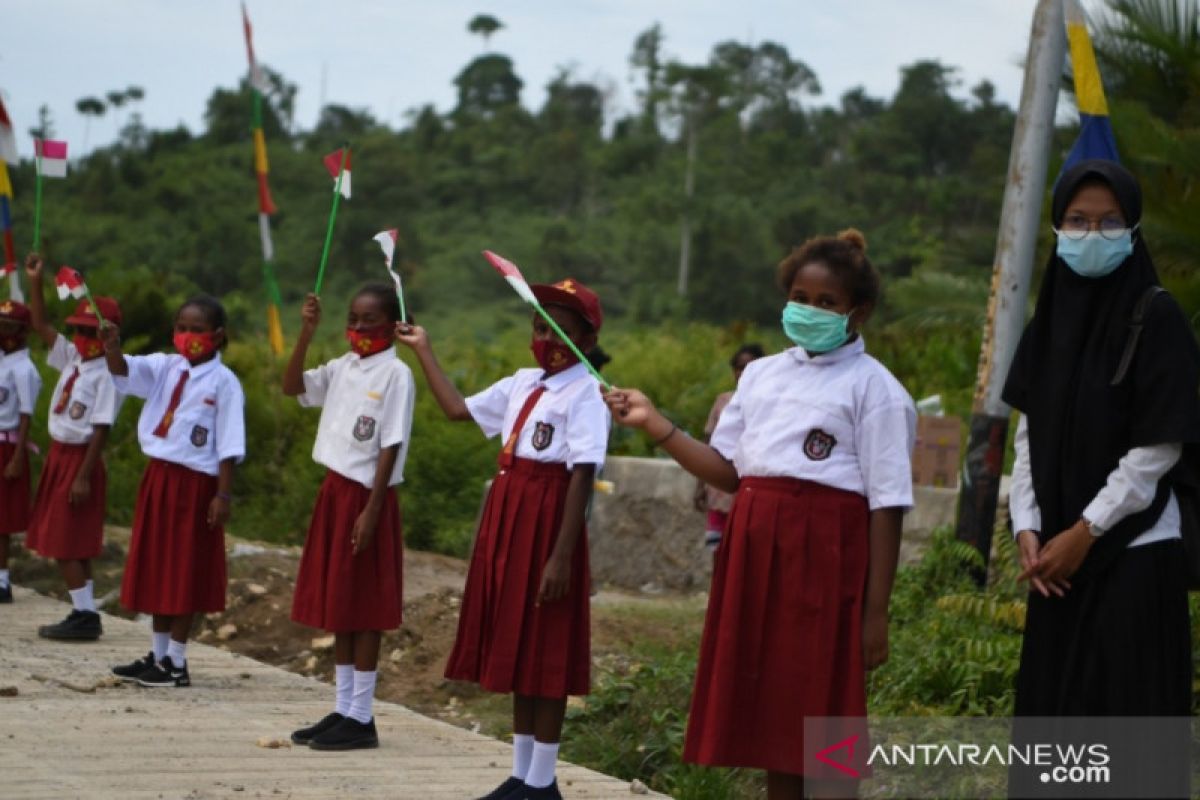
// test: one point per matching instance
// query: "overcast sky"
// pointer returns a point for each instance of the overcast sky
(393, 55)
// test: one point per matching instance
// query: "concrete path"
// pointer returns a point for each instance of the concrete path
(71, 732)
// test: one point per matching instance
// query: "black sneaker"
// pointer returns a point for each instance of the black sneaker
(131, 672)
(349, 734)
(165, 673)
(5, 594)
(80, 625)
(305, 735)
(543, 793)
(511, 789)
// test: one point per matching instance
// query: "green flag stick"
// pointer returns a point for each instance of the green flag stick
(567, 341)
(337, 193)
(37, 206)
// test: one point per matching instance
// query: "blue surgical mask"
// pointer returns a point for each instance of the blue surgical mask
(1092, 255)
(815, 329)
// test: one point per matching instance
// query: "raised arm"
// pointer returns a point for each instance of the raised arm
(444, 390)
(310, 317)
(110, 334)
(37, 304)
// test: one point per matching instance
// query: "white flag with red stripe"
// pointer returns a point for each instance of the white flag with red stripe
(51, 157)
(387, 242)
(335, 164)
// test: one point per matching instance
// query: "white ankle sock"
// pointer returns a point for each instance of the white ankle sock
(4, 579)
(344, 677)
(522, 754)
(364, 695)
(541, 766)
(82, 598)
(158, 644)
(178, 652)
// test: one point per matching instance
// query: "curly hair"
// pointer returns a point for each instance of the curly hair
(845, 255)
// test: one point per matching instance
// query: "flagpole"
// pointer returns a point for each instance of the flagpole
(400, 297)
(37, 206)
(337, 194)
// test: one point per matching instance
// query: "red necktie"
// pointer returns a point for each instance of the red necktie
(169, 415)
(65, 397)
(505, 459)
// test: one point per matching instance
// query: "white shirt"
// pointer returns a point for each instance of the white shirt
(569, 424)
(838, 419)
(208, 426)
(1130, 488)
(366, 406)
(94, 400)
(19, 388)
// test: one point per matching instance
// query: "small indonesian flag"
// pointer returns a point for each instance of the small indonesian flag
(8, 140)
(387, 242)
(257, 78)
(69, 284)
(335, 165)
(52, 157)
(512, 275)
(8, 269)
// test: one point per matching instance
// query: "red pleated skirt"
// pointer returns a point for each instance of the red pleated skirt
(505, 642)
(176, 563)
(14, 494)
(337, 590)
(58, 529)
(783, 633)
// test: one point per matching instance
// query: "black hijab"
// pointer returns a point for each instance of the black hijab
(1079, 425)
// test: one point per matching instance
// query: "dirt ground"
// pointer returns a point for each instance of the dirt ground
(256, 624)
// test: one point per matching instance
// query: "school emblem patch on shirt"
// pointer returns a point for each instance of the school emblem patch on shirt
(77, 409)
(543, 435)
(819, 444)
(199, 436)
(364, 428)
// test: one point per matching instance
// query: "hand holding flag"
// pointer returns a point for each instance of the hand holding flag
(387, 242)
(517, 281)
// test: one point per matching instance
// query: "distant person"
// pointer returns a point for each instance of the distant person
(351, 572)
(817, 445)
(524, 625)
(192, 427)
(709, 499)
(67, 523)
(20, 385)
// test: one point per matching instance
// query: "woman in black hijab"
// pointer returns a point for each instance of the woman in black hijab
(1107, 628)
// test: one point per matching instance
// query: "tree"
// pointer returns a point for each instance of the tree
(45, 124)
(486, 85)
(485, 25)
(116, 99)
(89, 107)
(647, 56)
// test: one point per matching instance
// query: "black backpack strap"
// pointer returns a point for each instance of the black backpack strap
(1136, 323)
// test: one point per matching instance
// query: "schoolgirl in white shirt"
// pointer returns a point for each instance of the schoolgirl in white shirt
(67, 522)
(192, 427)
(817, 445)
(19, 388)
(350, 578)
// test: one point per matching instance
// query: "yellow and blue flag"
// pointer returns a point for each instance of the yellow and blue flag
(1096, 138)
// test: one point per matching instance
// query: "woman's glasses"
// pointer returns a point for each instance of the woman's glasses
(1076, 226)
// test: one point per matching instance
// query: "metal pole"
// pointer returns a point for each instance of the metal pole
(1016, 244)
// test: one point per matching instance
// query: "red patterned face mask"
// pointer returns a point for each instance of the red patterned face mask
(88, 346)
(369, 341)
(552, 356)
(195, 346)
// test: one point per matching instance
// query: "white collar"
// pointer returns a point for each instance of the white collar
(16, 355)
(204, 368)
(368, 363)
(561, 380)
(846, 351)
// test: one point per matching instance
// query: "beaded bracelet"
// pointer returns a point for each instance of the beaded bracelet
(670, 433)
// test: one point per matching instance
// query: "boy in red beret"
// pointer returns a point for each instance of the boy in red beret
(19, 388)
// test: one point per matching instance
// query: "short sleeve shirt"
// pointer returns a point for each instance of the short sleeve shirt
(569, 424)
(366, 406)
(209, 423)
(20, 385)
(839, 419)
(93, 399)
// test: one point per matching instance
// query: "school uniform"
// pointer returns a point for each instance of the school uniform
(83, 397)
(504, 642)
(819, 443)
(191, 422)
(366, 406)
(19, 388)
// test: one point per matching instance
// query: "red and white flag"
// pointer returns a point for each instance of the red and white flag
(8, 139)
(387, 242)
(8, 269)
(257, 78)
(511, 274)
(51, 157)
(335, 165)
(69, 284)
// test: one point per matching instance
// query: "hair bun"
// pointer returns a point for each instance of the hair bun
(854, 237)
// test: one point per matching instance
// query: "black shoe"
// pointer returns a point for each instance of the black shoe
(131, 672)
(349, 734)
(5, 594)
(78, 624)
(543, 793)
(511, 789)
(165, 673)
(305, 735)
